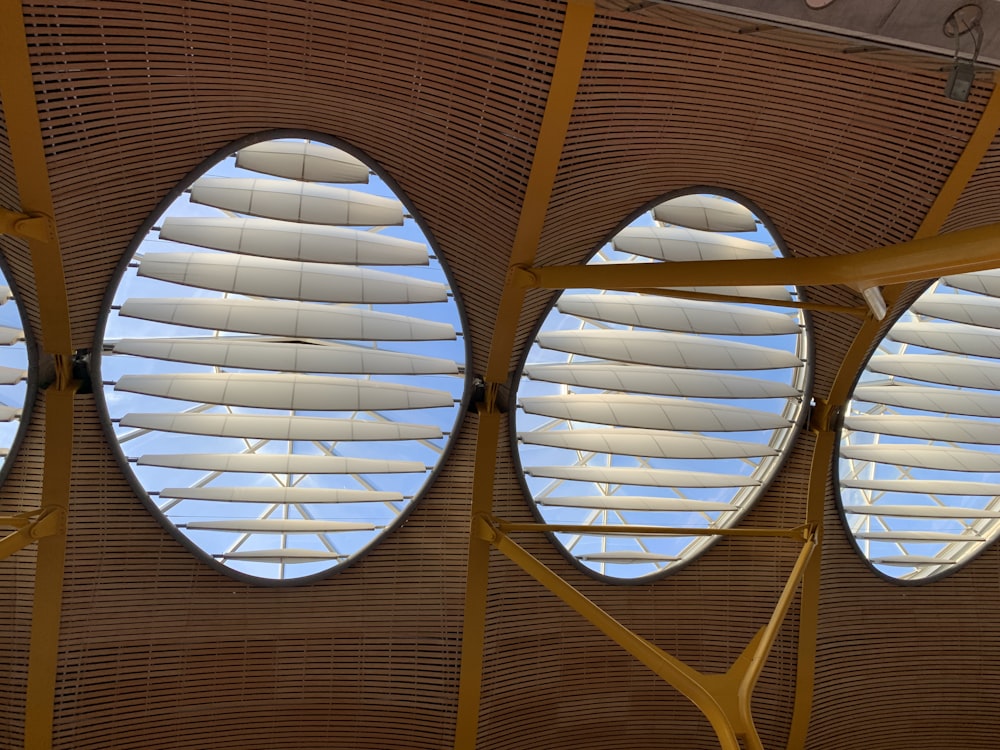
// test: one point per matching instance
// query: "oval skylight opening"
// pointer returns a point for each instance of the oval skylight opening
(282, 361)
(669, 409)
(920, 447)
(13, 371)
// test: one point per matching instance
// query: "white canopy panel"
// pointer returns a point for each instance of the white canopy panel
(931, 398)
(682, 315)
(943, 458)
(652, 413)
(921, 511)
(649, 443)
(283, 555)
(294, 201)
(12, 375)
(680, 243)
(776, 293)
(668, 350)
(662, 381)
(641, 477)
(279, 526)
(285, 279)
(626, 557)
(285, 391)
(315, 243)
(272, 463)
(936, 537)
(280, 427)
(280, 495)
(959, 308)
(941, 369)
(947, 429)
(10, 336)
(949, 337)
(924, 486)
(708, 212)
(637, 503)
(984, 282)
(302, 160)
(253, 353)
(909, 561)
(292, 319)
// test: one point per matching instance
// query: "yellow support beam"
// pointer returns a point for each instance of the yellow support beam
(917, 260)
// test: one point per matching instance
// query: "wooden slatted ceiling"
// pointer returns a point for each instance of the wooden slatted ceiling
(980, 201)
(406, 84)
(158, 651)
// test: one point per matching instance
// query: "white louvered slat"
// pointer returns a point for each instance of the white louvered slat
(641, 477)
(315, 243)
(302, 160)
(271, 463)
(278, 494)
(681, 315)
(707, 212)
(285, 391)
(305, 282)
(668, 350)
(649, 443)
(285, 318)
(663, 381)
(288, 356)
(280, 427)
(653, 413)
(294, 201)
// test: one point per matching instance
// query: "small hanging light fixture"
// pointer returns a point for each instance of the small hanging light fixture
(964, 20)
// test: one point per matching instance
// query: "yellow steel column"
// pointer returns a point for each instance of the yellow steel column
(552, 133)
(826, 414)
(47, 607)
(35, 222)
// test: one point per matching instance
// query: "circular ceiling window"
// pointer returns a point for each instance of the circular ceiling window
(920, 446)
(281, 362)
(670, 407)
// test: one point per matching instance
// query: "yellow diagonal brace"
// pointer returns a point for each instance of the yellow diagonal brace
(17, 91)
(826, 411)
(669, 668)
(929, 258)
(724, 699)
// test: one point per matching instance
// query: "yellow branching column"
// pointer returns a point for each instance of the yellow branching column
(34, 222)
